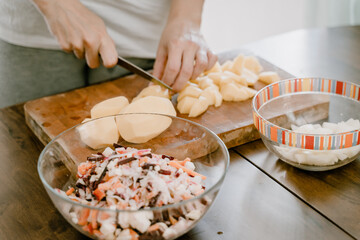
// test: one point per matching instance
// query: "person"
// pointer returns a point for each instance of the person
(92, 33)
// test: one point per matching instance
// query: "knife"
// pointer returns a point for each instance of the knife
(141, 72)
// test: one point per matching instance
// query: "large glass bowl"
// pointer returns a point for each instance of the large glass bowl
(281, 107)
(57, 167)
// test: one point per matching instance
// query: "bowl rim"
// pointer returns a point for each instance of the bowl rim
(173, 205)
(267, 123)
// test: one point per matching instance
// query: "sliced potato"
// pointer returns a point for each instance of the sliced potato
(205, 82)
(215, 68)
(234, 92)
(269, 77)
(153, 90)
(140, 129)
(251, 92)
(252, 63)
(185, 104)
(216, 77)
(199, 107)
(237, 78)
(227, 66)
(191, 91)
(99, 133)
(238, 64)
(109, 107)
(251, 78)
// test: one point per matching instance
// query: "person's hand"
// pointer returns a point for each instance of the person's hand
(79, 30)
(182, 54)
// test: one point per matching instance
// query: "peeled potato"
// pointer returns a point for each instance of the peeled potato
(237, 79)
(199, 107)
(227, 66)
(109, 107)
(185, 104)
(209, 95)
(142, 128)
(234, 92)
(99, 133)
(251, 92)
(269, 77)
(216, 77)
(238, 64)
(215, 68)
(251, 78)
(190, 91)
(205, 82)
(153, 90)
(252, 63)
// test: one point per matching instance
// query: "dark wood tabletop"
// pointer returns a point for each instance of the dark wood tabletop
(261, 198)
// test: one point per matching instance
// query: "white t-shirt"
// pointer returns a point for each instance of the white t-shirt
(134, 25)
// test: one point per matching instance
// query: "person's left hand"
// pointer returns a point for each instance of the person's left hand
(182, 55)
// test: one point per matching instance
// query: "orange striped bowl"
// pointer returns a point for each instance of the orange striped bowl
(279, 108)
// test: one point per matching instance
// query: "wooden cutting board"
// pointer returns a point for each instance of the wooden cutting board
(232, 121)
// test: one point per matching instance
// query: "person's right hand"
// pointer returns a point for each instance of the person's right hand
(79, 30)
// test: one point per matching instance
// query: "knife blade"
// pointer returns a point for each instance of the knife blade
(141, 72)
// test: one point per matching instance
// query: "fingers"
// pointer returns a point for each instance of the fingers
(173, 65)
(186, 70)
(201, 63)
(212, 59)
(108, 53)
(160, 63)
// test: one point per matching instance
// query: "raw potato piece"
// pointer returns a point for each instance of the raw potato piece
(227, 66)
(209, 94)
(251, 78)
(199, 107)
(153, 90)
(190, 91)
(237, 79)
(99, 133)
(215, 68)
(216, 77)
(238, 64)
(252, 63)
(205, 82)
(251, 92)
(185, 104)
(140, 129)
(269, 77)
(109, 107)
(234, 92)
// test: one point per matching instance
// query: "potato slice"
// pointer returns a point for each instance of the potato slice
(227, 66)
(269, 77)
(216, 95)
(185, 104)
(234, 92)
(237, 78)
(251, 92)
(109, 107)
(205, 82)
(190, 91)
(199, 107)
(140, 129)
(252, 63)
(251, 78)
(209, 94)
(153, 90)
(238, 64)
(99, 133)
(215, 68)
(216, 77)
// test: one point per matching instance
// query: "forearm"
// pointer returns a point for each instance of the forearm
(186, 10)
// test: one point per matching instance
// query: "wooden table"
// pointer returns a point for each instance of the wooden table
(261, 198)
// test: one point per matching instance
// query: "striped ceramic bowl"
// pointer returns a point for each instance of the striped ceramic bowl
(310, 123)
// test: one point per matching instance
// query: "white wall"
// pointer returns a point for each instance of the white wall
(228, 24)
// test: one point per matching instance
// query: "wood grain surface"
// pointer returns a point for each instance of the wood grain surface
(332, 53)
